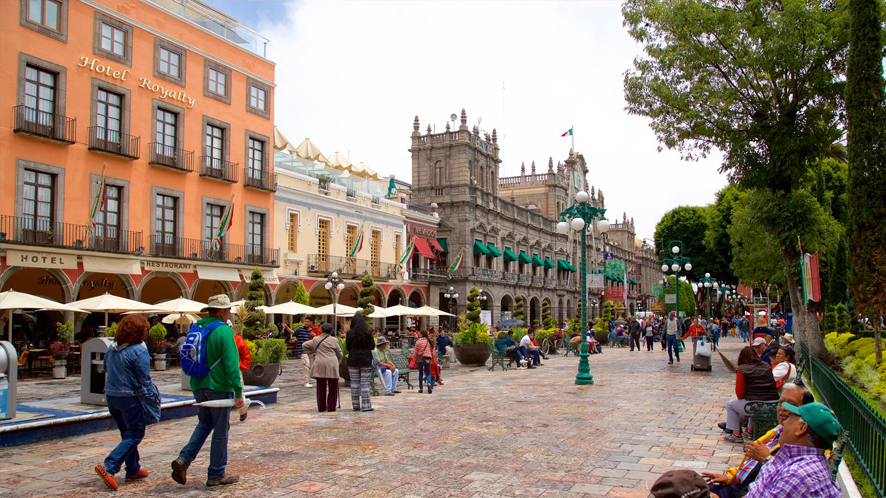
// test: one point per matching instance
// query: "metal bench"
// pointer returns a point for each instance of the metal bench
(763, 416)
(402, 364)
(498, 358)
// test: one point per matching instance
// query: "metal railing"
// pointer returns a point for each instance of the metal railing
(433, 274)
(114, 142)
(351, 193)
(524, 279)
(165, 155)
(218, 169)
(27, 231)
(44, 124)
(260, 179)
(202, 250)
(867, 429)
(325, 264)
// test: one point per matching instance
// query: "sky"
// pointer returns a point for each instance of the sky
(352, 75)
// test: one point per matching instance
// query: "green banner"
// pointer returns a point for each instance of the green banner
(615, 266)
(657, 289)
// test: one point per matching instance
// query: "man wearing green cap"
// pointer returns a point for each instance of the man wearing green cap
(800, 468)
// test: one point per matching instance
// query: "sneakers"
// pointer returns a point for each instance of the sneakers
(140, 475)
(108, 479)
(180, 470)
(243, 416)
(309, 385)
(735, 438)
(221, 481)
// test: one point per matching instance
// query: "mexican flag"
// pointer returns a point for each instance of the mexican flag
(99, 200)
(407, 255)
(227, 221)
(459, 260)
(567, 133)
(358, 246)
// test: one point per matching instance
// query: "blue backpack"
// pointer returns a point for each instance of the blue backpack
(193, 352)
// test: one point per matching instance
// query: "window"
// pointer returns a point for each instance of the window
(113, 40)
(40, 95)
(45, 13)
(38, 194)
(293, 232)
(255, 159)
(258, 98)
(323, 244)
(166, 134)
(217, 81)
(398, 251)
(375, 252)
(254, 243)
(439, 173)
(165, 214)
(107, 223)
(169, 63)
(350, 237)
(212, 221)
(109, 111)
(214, 149)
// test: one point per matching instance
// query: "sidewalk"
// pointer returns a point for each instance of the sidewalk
(515, 433)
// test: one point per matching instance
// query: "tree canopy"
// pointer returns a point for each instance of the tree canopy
(688, 224)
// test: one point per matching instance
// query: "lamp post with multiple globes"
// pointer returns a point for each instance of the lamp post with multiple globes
(676, 263)
(334, 285)
(453, 297)
(709, 282)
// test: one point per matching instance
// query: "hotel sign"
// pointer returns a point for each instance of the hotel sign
(34, 259)
(96, 65)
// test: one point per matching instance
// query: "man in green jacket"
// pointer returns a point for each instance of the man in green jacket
(222, 382)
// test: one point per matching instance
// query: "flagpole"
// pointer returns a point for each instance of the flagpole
(572, 129)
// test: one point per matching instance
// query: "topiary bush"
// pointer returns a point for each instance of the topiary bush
(254, 320)
(518, 308)
(270, 351)
(473, 306)
(473, 333)
(367, 295)
(549, 321)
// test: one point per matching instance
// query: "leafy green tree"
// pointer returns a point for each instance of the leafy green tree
(716, 238)
(254, 322)
(518, 307)
(866, 117)
(546, 318)
(754, 79)
(301, 297)
(367, 295)
(473, 305)
(841, 318)
(687, 297)
(688, 224)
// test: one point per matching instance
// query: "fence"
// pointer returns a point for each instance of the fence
(867, 429)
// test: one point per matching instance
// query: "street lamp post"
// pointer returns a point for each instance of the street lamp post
(452, 296)
(577, 214)
(675, 264)
(709, 283)
(335, 285)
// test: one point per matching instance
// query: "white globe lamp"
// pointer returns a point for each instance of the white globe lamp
(688, 266)
(562, 227)
(581, 197)
(675, 249)
(664, 268)
(675, 267)
(603, 226)
(577, 224)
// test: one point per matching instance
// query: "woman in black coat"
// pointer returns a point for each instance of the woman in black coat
(359, 343)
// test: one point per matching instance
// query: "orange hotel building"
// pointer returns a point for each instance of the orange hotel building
(176, 99)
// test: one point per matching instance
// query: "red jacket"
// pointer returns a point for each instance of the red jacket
(243, 351)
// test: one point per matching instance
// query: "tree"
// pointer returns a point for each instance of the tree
(754, 79)
(547, 320)
(367, 295)
(717, 242)
(254, 322)
(687, 297)
(301, 296)
(518, 307)
(473, 305)
(866, 117)
(688, 224)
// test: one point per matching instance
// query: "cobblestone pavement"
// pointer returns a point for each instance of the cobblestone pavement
(483, 434)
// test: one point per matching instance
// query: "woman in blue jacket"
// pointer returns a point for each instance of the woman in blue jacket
(127, 375)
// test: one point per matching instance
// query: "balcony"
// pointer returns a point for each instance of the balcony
(218, 169)
(524, 279)
(259, 179)
(27, 231)
(202, 250)
(323, 264)
(509, 277)
(113, 142)
(538, 281)
(551, 283)
(44, 124)
(351, 193)
(170, 157)
(429, 274)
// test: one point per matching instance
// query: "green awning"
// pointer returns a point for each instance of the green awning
(494, 250)
(634, 281)
(549, 263)
(564, 265)
(442, 243)
(536, 261)
(523, 258)
(479, 248)
(571, 268)
(509, 255)
(598, 271)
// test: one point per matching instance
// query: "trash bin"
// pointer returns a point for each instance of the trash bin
(92, 370)
(8, 379)
(700, 362)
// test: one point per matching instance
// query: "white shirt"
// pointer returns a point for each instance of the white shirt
(782, 369)
(526, 341)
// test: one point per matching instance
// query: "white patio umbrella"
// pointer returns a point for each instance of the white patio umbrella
(340, 309)
(180, 318)
(12, 300)
(382, 312)
(109, 303)
(430, 311)
(289, 308)
(180, 305)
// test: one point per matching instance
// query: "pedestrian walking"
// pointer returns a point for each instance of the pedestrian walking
(360, 344)
(634, 329)
(423, 354)
(325, 355)
(650, 335)
(302, 335)
(673, 330)
(221, 383)
(128, 378)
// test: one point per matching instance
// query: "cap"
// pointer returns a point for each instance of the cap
(381, 340)
(758, 341)
(819, 417)
(682, 483)
(219, 302)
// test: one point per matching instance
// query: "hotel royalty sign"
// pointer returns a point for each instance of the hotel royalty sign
(96, 65)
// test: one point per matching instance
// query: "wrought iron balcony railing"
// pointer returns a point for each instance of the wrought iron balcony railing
(44, 124)
(170, 157)
(113, 142)
(218, 169)
(259, 179)
(28, 231)
(202, 250)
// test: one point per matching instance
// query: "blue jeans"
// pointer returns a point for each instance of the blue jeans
(531, 353)
(424, 373)
(210, 420)
(672, 348)
(127, 412)
(389, 378)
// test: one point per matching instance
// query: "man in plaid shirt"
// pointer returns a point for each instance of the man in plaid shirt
(800, 468)
(302, 335)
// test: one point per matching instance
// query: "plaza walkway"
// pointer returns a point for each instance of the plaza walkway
(483, 434)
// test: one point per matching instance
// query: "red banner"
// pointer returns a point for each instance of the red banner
(615, 293)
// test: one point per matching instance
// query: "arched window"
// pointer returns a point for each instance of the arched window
(482, 178)
(439, 173)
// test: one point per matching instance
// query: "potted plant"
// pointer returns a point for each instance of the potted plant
(471, 344)
(60, 349)
(157, 333)
(266, 361)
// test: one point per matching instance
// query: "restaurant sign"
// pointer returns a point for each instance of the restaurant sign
(424, 231)
(35, 259)
(169, 266)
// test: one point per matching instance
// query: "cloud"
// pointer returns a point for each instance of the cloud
(352, 76)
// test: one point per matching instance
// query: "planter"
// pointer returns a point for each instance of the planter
(59, 355)
(159, 361)
(262, 374)
(472, 354)
(343, 371)
(59, 369)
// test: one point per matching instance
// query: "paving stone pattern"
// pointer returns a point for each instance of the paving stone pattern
(483, 434)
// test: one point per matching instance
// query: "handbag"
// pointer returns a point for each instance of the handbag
(679, 346)
(412, 364)
(150, 401)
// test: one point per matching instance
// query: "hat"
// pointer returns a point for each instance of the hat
(682, 483)
(820, 419)
(381, 340)
(758, 341)
(761, 322)
(789, 338)
(219, 302)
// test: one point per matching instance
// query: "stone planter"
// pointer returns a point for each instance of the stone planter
(59, 369)
(343, 371)
(159, 361)
(262, 374)
(59, 355)
(472, 354)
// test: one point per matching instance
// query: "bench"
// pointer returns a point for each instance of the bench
(402, 364)
(763, 416)
(498, 358)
